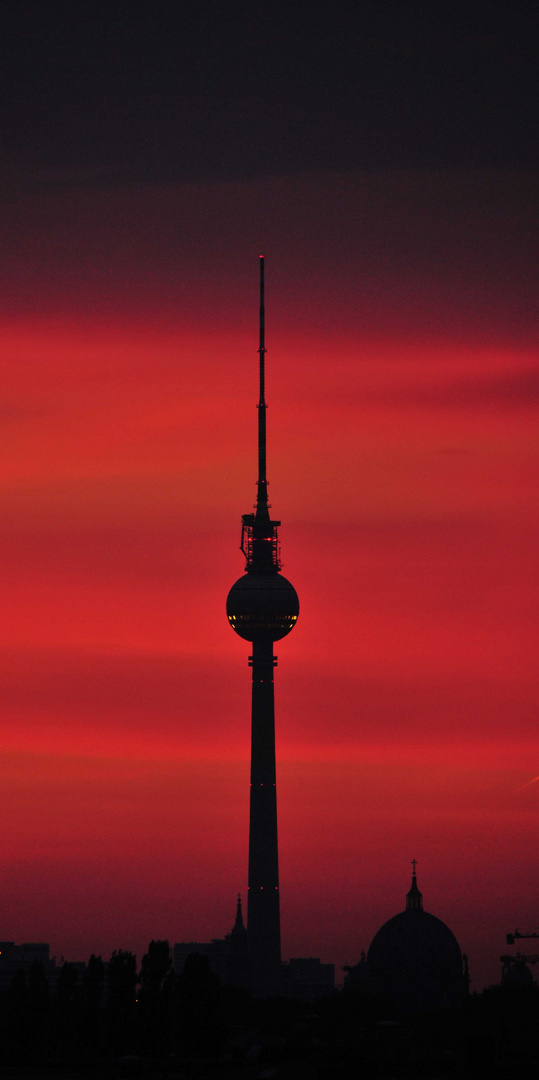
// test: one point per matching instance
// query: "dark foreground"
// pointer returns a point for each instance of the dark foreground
(129, 1027)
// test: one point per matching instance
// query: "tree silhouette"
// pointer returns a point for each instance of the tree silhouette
(38, 1007)
(91, 995)
(65, 1011)
(197, 1002)
(120, 1016)
(154, 997)
(16, 1014)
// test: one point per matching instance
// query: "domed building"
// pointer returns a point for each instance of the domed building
(515, 972)
(414, 961)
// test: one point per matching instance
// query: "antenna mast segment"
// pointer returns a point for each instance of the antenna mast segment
(259, 537)
(262, 498)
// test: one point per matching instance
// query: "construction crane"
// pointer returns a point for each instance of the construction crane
(511, 938)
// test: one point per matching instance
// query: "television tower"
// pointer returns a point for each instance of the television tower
(262, 607)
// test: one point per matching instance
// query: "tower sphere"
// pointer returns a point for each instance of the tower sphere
(262, 607)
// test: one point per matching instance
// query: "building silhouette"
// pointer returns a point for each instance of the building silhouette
(262, 607)
(414, 961)
(306, 978)
(14, 958)
(228, 957)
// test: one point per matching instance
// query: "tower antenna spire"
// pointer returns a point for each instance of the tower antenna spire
(262, 497)
(259, 535)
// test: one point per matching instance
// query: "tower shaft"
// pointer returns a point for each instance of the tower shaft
(263, 915)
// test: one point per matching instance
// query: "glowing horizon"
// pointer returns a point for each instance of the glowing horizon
(401, 457)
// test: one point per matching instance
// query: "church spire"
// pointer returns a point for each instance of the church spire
(238, 927)
(414, 899)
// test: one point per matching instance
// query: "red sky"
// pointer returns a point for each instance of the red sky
(402, 390)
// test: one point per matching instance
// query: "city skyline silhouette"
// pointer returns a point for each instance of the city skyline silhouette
(385, 169)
